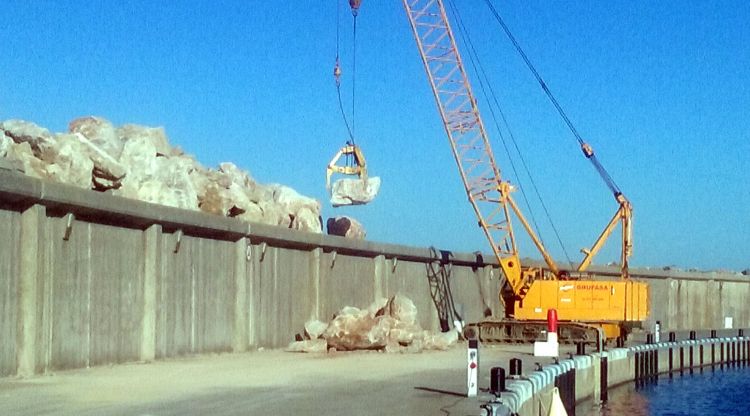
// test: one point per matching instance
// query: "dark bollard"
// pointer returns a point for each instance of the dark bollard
(672, 337)
(649, 339)
(638, 374)
(741, 333)
(692, 335)
(580, 348)
(497, 380)
(713, 333)
(604, 379)
(620, 342)
(515, 367)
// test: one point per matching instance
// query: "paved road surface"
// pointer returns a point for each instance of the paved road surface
(265, 383)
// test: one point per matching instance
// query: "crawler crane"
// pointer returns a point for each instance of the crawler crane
(589, 310)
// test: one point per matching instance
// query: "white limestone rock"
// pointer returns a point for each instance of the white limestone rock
(308, 345)
(314, 329)
(307, 220)
(105, 165)
(99, 132)
(155, 137)
(5, 144)
(22, 155)
(388, 324)
(22, 131)
(68, 162)
(348, 191)
(346, 226)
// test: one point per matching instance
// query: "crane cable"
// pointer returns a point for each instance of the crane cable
(337, 76)
(479, 69)
(584, 146)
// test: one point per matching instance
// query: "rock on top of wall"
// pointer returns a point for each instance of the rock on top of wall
(138, 162)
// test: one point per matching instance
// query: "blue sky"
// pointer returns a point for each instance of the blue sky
(660, 89)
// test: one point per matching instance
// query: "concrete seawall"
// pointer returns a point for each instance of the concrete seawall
(588, 377)
(89, 279)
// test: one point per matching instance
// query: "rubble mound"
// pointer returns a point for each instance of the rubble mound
(138, 162)
(388, 325)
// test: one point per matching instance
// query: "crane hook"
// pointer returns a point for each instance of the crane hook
(354, 4)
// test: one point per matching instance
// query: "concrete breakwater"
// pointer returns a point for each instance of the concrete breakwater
(587, 378)
(89, 279)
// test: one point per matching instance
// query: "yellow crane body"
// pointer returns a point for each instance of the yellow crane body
(599, 302)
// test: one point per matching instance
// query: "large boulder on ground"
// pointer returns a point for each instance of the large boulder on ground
(345, 226)
(388, 325)
(349, 191)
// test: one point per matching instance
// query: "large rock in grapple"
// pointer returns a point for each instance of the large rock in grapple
(348, 191)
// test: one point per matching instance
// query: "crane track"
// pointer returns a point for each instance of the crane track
(504, 331)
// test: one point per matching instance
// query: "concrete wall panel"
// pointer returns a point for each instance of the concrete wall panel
(9, 253)
(283, 295)
(116, 294)
(90, 295)
(345, 281)
(195, 295)
(410, 279)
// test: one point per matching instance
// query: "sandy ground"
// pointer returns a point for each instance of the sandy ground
(266, 383)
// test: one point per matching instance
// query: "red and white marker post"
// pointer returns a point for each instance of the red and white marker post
(472, 369)
(550, 347)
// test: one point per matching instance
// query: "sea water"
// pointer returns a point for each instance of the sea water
(717, 391)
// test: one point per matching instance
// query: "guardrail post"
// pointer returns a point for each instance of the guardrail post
(671, 361)
(637, 364)
(682, 360)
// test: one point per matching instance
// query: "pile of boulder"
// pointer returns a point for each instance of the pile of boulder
(138, 162)
(388, 325)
